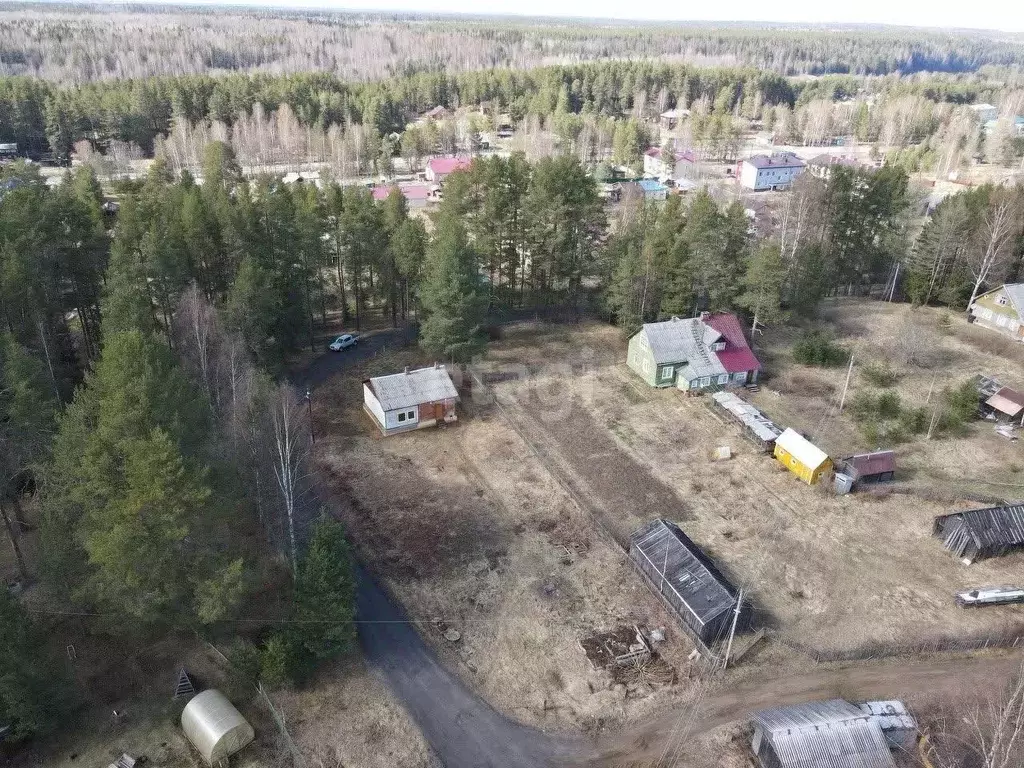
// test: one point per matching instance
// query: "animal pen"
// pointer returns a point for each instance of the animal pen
(980, 533)
(757, 427)
(689, 583)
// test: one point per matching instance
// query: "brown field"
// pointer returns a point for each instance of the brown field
(505, 525)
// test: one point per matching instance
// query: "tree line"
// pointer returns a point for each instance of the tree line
(73, 43)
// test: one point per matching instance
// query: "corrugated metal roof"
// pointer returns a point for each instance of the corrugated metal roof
(749, 416)
(824, 734)
(987, 528)
(1007, 401)
(682, 340)
(737, 356)
(802, 449)
(776, 160)
(1015, 292)
(868, 464)
(404, 390)
(890, 715)
(700, 587)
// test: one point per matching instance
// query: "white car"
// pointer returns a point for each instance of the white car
(344, 342)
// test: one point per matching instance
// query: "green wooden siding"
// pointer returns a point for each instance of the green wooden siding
(641, 360)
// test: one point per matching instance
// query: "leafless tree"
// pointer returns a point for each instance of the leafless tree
(999, 227)
(989, 734)
(292, 443)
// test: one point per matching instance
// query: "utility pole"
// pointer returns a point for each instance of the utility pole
(309, 410)
(846, 386)
(930, 388)
(732, 630)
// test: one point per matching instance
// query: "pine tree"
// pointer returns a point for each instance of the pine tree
(762, 285)
(453, 301)
(325, 593)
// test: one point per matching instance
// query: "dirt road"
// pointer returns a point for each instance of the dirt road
(887, 679)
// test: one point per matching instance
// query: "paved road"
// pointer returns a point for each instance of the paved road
(463, 730)
(370, 343)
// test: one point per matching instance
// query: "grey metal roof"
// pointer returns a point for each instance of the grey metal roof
(987, 528)
(749, 416)
(890, 715)
(404, 390)
(777, 160)
(1015, 292)
(684, 340)
(825, 734)
(688, 571)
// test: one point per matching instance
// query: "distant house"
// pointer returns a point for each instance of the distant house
(832, 733)
(410, 400)
(982, 533)
(1016, 125)
(1001, 309)
(8, 151)
(436, 113)
(672, 117)
(1006, 403)
(985, 112)
(697, 353)
(670, 164)
(801, 457)
(653, 189)
(876, 467)
(821, 166)
(439, 168)
(416, 195)
(686, 578)
(775, 171)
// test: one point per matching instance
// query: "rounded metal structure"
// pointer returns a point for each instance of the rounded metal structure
(215, 727)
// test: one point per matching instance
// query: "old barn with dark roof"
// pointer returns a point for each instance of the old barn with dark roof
(980, 533)
(688, 580)
(876, 467)
(820, 734)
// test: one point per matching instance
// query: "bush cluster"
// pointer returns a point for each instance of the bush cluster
(819, 348)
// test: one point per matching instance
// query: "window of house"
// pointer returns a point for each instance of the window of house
(401, 416)
(705, 381)
(718, 346)
(1001, 300)
(723, 378)
(666, 372)
(404, 416)
(740, 378)
(1002, 320)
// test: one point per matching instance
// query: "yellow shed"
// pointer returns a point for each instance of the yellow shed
(801, 457)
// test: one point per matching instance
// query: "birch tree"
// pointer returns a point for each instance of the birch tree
(292, 443)
(1000, 225)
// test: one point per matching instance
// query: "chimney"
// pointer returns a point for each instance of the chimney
(705, 316)
(437, 365)
(407, 370)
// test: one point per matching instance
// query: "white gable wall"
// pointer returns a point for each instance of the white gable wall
(373, 405)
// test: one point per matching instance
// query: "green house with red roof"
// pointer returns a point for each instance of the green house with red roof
(696, 353)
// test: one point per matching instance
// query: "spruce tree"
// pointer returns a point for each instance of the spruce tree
(325, 593)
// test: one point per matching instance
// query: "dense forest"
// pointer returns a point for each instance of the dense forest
(78, 44)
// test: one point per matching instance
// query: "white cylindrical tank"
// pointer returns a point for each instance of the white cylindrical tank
(215, 727)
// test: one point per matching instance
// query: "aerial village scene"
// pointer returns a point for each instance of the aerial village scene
(386, 389)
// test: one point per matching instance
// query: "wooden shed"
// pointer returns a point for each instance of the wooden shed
(801, 457)
(411, 400)
(980, 533)
(1006, 403)
(875, 467)
(676, 568)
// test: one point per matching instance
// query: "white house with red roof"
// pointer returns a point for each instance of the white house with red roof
(697, 353)
(670, 164)
(438, 168)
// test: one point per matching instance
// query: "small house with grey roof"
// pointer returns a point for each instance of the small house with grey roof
(411, 400)
(819, 734)
(1001, 310)
(698, 353)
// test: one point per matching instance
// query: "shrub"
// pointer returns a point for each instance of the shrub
(284, 660)
(880, 375)
(915, 420)
(961, 402)
(819, 348)
(888, 405)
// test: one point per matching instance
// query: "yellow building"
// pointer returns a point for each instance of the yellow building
(801, 457)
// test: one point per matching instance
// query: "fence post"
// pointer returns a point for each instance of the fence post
(286, 738)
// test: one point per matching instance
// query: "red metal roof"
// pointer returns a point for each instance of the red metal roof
(442, 166)
(1007, 401)
(737, 356)
(867, 464)
(411, 191)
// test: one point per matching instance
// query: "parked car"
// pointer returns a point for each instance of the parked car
(990, 596)
(344, 342)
